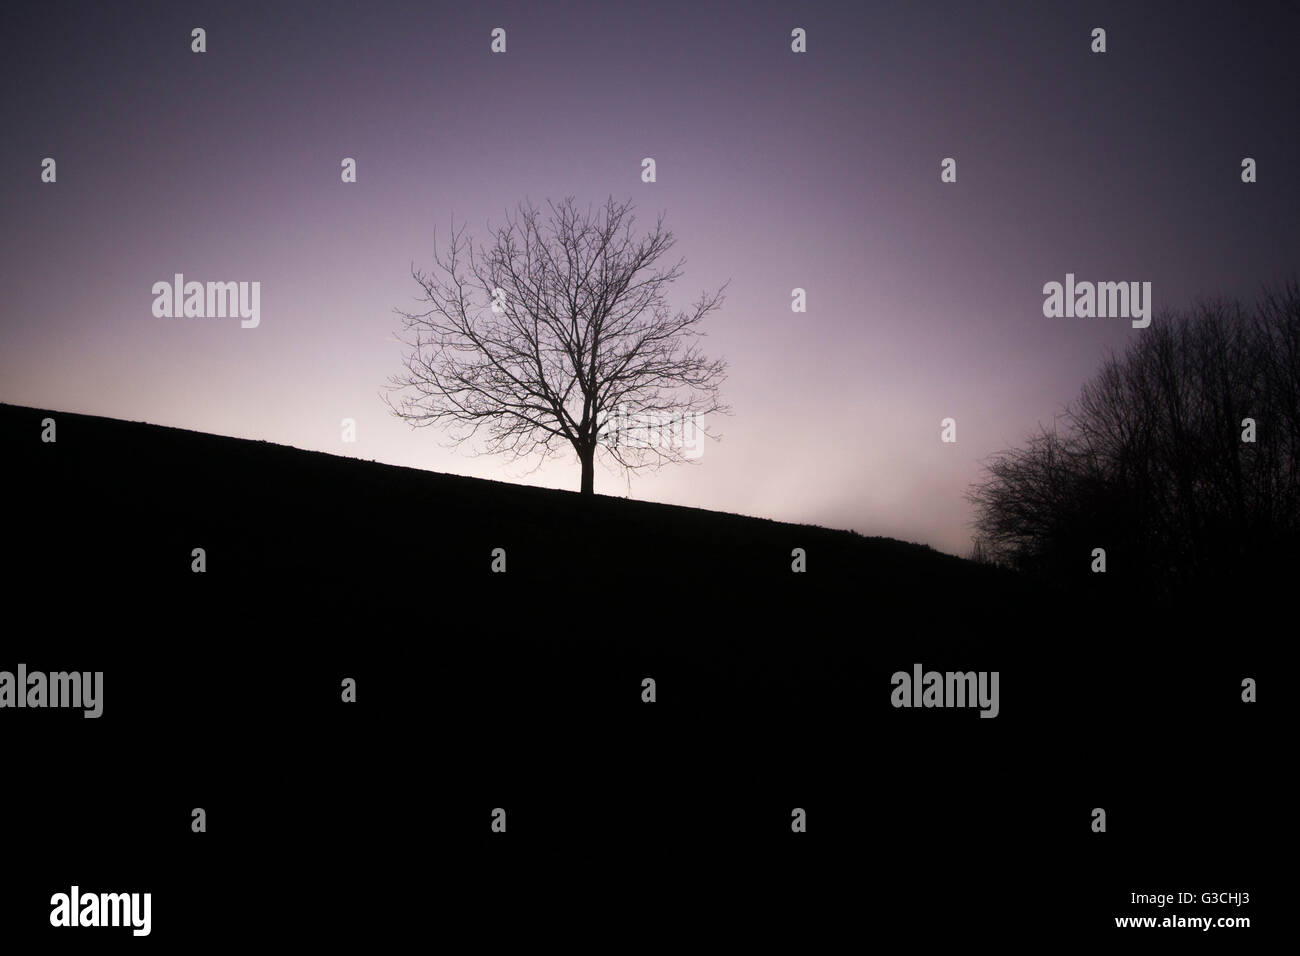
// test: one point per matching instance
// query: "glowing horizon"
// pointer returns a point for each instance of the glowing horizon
(775, 170)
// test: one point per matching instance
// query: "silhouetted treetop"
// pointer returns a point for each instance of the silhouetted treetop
(1180, 458)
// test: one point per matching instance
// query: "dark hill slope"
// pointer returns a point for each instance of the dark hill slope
(313, 550)
(524, 690)
(134, 499)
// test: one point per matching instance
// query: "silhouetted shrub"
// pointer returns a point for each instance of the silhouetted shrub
(1154, 463)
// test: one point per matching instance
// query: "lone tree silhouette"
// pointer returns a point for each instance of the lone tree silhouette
(556, 335)
(1181, 459)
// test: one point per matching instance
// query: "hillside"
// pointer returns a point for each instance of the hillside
(153, 493)
(524, 689)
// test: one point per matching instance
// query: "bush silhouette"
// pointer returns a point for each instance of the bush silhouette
(1181, 458)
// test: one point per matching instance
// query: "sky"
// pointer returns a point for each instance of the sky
(775, 170)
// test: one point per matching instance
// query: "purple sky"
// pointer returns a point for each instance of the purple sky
(775, 170)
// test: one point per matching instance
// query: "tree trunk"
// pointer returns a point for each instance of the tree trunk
(587, 456)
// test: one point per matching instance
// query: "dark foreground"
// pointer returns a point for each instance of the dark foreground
(670, 822)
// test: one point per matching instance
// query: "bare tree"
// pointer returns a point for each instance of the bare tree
(556, 335)
(1181, 457)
